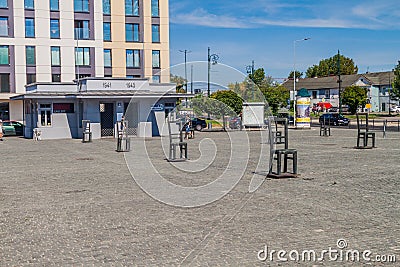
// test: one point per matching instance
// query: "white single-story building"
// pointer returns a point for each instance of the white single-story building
(58, 109)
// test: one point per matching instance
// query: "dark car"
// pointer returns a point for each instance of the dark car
(235, 123)
(13, 128)
(199, 124)
(333, 119)
(284, 115)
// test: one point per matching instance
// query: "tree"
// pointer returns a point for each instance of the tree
(329, 66)
(354, 96)
(230, 99)
(258, 77)
(395, 93)
(298, 74)
(276, 97)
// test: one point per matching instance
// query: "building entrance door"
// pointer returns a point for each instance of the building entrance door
(107, 119)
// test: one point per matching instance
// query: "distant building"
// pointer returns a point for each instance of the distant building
(59, 41)
(58, 109)
(326, 89)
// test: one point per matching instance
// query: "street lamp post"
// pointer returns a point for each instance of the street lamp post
(186, 90)
(214, 59)
(250, 70)
(294, 77)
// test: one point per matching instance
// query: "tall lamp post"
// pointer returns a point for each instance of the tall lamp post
(212, 59)
(294, 77)
(250, 70)
(186, 90)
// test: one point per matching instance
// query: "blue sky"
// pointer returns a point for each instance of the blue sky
(367, 31)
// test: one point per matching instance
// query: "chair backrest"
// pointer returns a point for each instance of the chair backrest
(362, 124)
(174, 136)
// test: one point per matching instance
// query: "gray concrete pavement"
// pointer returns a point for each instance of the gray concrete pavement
(64, 203)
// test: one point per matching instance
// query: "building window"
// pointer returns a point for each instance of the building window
(30, 78)
(132, 7)
(29, 4)
(156, 78)
(81, 29)
(82, 56)
(3, 26)
(54, 5)
(106, 7)
(4, 82)
(156, 59)
(30, 56)
(155, 33)
(107, 58)
(155, 8)
(107, 31)
(3, 4)
(54, 28)
(56, 78)
(81, 5)
(132, 58)
(4, 55)
(29, 27)
(314, 94)
(327, 93)
(55, 56)
(45, 114)
(132, 32)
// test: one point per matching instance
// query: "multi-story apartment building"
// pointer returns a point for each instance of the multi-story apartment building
(59, 41)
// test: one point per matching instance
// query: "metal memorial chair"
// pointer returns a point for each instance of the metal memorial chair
(123, 140)
(176, 139)
(280, 154)
(363, 131)
(325, 127)
(86, 131)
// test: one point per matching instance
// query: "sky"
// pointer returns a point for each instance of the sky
(267, 31)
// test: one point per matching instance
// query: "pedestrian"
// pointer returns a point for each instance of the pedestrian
(1, 130)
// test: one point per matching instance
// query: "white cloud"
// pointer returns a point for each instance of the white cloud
(201, 17)
(260, 13)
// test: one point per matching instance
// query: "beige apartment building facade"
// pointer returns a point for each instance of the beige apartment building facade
(58, 41)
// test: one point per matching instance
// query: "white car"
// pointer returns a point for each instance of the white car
(395, 109)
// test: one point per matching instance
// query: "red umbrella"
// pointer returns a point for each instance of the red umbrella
(325, 105)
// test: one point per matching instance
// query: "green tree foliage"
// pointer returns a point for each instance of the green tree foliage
(276, 97)
(229, 98)
(263, 89)
(298, 74)
(395, 93)
(216, 109)
(354, 96)
(329, 66)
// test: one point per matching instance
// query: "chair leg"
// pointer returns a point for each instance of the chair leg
(295, 162)
(279, 163)
(285, 161)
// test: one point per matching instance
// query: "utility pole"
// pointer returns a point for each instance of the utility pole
(340, 85)
(185, 52)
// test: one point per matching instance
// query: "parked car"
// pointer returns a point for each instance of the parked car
(13, 128)
(395, 109)
(287, 116)
(235, 123)
(333, 119)
(199, 124)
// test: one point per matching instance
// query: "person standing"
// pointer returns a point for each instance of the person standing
(1, 130)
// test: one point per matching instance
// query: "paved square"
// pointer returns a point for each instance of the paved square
(72, 204)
